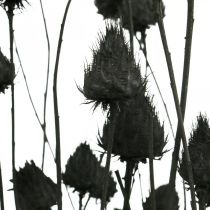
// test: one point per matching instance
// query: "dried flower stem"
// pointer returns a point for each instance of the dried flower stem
(113, 115)
(128, 179)
(11, 34)
(178, 110)
(55, 99)
(80, 201)
(117, 173)
(1, 191)
(151, 168)
(47, 81)
(185, 79)
(86, 202)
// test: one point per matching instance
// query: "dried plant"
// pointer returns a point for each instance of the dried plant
(35, 191)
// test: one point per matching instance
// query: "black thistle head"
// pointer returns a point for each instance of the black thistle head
(7, 73)
(34, 189)
(10, 5)
(113, 74)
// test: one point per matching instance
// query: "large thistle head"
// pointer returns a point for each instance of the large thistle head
(7, 73)
(199, 149)
(166, 199)
(136, 123)
(34, 189)
(113, 74)
(144, 12)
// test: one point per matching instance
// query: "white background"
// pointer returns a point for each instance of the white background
(78, 122)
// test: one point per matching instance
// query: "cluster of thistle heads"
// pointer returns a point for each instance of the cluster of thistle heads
(85, 174)
(144, 12)
(35, 191)
(199, 149)
(12, 4)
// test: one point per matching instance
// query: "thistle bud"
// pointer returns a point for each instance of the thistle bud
(134, 128)
(7, 73)
(12, 4)
(34, 189)
(81, 169)
(199, 149)
(162, 194)
(113, 74)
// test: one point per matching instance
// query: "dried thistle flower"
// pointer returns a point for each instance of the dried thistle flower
(81, 169)
(12, 4)
(7, 73)
(133, 129)
(35, 190)
(199, 149)
(113, 74)
(166, 199)
(144, 12)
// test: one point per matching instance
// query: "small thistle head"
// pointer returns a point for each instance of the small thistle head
(163, 193)
(12, 4)
(7, 73)
(113, 74)
(135, 123)
(34, 189)
(80, 169)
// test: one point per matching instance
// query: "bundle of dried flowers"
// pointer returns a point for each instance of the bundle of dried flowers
(133, 129)
(35, 190)
(113, 74)
(166, 199)
(199, 149)
(144, 12)
(7, 73)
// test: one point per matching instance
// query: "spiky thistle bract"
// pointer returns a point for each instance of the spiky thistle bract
(7, 73)
(12, 4)
(133, 129)
(113, 74)
(35, 190)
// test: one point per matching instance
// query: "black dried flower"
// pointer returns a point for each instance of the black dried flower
(12, 4)
(144, 12)
(7, 73)
(166, 199)
(113, 74)
(35, 190)
(199, 149)
(135, 123)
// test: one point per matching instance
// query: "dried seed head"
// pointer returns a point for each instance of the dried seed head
(136, 122)
(199, 149)
(34, 189)
(144, 12)
(97, 189)
(12, 4)
(166, 199)
(7, 73)
(113, 74)
(80, 169)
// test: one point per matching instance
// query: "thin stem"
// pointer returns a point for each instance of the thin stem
(157, 85)
(69, 197)
(80, 201)
(86, 202)
(140, 186)
(1, 191)
(151, 167)
(11, 34)
(128, 179)
(131, 30)
(31, 100)
(185, 79)
(120, 182)
(178, 110)
(47, 81)
(185, 199)
(113, 115)
(55, 99)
